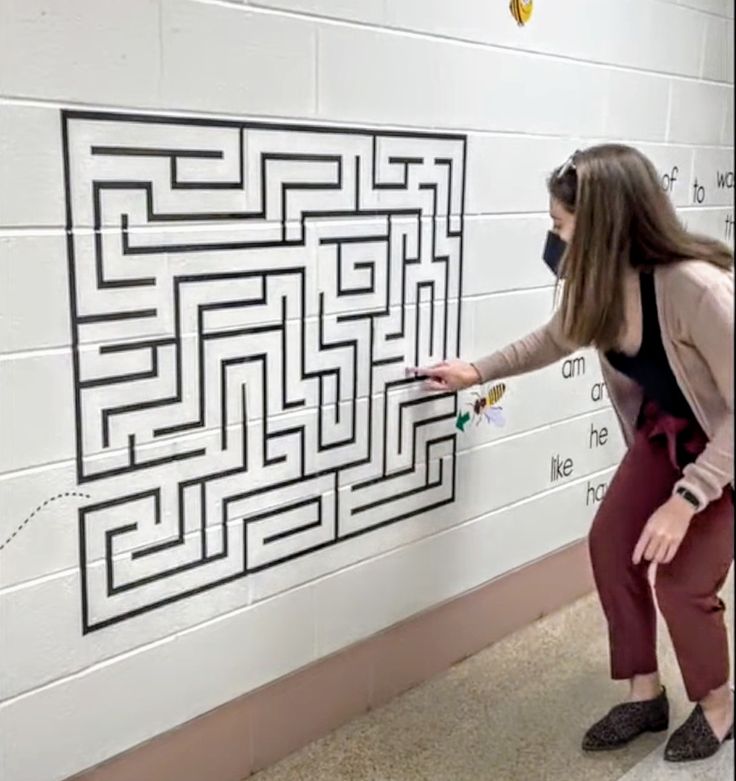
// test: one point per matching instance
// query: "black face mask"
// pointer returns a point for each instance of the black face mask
(554, 249)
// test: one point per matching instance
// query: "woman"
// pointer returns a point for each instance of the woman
(657, 302)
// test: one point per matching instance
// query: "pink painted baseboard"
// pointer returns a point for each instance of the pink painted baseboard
(261, 727)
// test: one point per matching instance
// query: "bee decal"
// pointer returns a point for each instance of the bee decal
(521, 10)
(486, 406)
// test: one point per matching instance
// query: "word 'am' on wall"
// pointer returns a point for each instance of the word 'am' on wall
(231, 419)
(216, 262)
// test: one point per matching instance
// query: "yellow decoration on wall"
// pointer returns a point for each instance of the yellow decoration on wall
(521, 10)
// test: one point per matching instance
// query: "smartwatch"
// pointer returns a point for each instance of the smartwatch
(688, 496)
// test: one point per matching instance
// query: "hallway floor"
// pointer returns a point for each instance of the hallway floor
(514, 712)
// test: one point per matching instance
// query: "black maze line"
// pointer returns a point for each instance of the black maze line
(225, 428)
(286, 403)
(205, 558)
(327, 218)
(257, 216)
(282, 509)
(89, 624)
(167, 338)
(131, 314)
(282, 484)
(232, 332)
(299, 433)
(264, 276)
(343, 218)
(387, 476)
(268, 436)
(174, 155)
(71, 271)
(401, 218)
(285, 506)
(151, 346)
(120, 224)
(370, 266)
(280, 423)
(278, 419)
(96, 116)
(339, 242)
(390, 215)
(268, 422)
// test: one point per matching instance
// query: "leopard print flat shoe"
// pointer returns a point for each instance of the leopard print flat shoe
(694, 739)
(626, 722)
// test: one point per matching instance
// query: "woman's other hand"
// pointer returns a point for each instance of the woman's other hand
(664, 532)
(451, 375)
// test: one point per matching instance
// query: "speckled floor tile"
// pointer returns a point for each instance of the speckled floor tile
(514, 712)
(719, 768)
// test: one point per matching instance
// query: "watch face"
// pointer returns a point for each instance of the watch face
(688, 496)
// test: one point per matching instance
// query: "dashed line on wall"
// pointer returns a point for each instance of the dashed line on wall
(38, 509)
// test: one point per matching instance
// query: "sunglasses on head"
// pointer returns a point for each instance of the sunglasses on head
(568, 165)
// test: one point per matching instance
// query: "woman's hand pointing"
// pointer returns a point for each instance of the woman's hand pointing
(450, 375)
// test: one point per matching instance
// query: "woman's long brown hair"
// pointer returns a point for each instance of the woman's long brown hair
(623, 218)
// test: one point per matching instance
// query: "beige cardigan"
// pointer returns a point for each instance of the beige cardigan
(695, 302)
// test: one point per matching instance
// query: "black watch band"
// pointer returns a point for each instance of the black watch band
(689, 497)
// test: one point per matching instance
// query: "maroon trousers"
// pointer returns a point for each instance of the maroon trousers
(686, 588)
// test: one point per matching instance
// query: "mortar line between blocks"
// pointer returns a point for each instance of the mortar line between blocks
(307, 584)
(338, 125)
(62, 573)
(20, 231)
(406, 32)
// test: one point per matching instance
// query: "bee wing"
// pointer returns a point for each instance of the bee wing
(495, 416)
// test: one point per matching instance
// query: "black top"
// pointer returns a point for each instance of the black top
(650, 366)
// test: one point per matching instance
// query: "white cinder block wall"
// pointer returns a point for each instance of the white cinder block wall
(119, 623)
